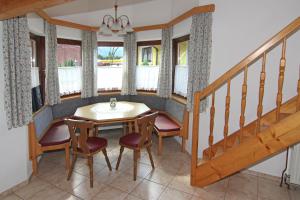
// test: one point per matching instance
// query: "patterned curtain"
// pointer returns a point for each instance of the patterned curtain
(52, 84)
(89, 64)
(199, 57)
(129, 66)
(17, 72)
(164, 87)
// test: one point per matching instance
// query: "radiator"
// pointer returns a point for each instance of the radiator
(294, 165)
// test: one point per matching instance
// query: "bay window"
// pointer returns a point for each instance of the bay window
(180, 65)
(69, 66)
(148, 62)
(109, 66)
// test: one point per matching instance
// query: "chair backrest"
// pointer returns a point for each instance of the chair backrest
(146, 126)
(79, 139)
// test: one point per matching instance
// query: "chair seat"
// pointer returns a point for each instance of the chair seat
(165, 123)
(57, 134)
(131, 140)
(95, 143)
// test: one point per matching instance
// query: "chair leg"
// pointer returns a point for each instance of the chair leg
(74, 158)
(90, 161)
(150, 156)
(135, 158)
(120, 156)
(183, 143)
(160, 145)
(67, 152)
(34, 166)
(106, 159)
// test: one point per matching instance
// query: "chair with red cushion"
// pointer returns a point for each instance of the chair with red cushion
(84, 145)
(166, 126)
(138, 140)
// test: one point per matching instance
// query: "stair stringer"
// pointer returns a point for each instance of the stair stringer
(267, 143)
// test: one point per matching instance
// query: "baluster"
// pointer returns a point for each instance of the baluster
(280, 79)
(227, 106)
(298, 90)
(243, 103)
(261, 93)
(212, 118)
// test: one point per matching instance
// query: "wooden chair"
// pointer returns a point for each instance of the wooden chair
(84, 145)
(138, 140)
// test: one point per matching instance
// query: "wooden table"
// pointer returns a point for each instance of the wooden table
(102, 113)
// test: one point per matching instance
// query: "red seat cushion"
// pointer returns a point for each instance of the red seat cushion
(57, 134)
(132, 139)
(95, 143)
(165, 123)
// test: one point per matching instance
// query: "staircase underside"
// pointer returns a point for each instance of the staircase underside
(273, 138)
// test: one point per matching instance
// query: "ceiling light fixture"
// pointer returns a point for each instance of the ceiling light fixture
(115, 25)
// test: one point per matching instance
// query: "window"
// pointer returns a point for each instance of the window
(148, 61)
(109, 66)
(37, 44)
(180, 65)
(69, 66)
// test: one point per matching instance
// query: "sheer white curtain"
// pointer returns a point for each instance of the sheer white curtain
(181, 80)
(109, 77)
(147, 77)
(35, 80)
(70, 80)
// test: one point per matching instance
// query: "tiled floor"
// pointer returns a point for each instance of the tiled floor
(169, 180)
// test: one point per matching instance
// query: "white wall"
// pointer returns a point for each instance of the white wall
(239, 27)
(14, 164)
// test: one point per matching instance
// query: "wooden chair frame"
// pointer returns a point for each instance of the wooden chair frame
(80, 140)
(36, 149)
(146, 126)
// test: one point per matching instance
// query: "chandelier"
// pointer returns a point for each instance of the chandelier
(115, 25)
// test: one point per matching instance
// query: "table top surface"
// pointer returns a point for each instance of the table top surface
(103, 113)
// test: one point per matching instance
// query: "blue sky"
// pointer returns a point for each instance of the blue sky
(105, 50)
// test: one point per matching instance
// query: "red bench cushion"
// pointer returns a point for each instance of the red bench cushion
(95, 143)
(164, 123)
(57, 134)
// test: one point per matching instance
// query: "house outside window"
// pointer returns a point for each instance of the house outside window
(109, 66)
(148, 62)
(69, 66)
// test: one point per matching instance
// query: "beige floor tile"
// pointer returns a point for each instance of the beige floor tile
(182, 183)
(143, 170)
(148, 190)
(49, 193)
(242, 186)
(294, 193)
(31, 188)
(10, 197)
(202, 194)
(130, 197)
(69, 185)
(125, 182)
(172, 194)
(218, 189)
(84, 190)
(161, 176)
(105, 176)
(110, 193)
(85, 171)
(270, 190)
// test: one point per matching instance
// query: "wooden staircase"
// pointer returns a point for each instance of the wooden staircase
(269, 134)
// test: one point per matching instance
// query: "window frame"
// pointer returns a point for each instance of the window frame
(40, 61)
(109, 44)
(71, 42)
(175, 42)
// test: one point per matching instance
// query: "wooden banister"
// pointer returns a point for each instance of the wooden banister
(284, 33)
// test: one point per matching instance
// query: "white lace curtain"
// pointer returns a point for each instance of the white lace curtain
(70, 80)
(181, 80)
(147, 77)
(199, 57)
(17, 71)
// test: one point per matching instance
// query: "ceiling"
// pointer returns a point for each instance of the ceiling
(84, 6)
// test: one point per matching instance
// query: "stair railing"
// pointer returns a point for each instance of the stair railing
(227, 77)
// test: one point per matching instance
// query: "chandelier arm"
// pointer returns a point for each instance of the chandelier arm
(108, 18)
(122, 17)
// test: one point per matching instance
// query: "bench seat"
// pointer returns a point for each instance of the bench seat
(57, 134)
(164, 123)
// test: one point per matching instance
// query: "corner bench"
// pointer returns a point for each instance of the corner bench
(165, 126)
(53, 135)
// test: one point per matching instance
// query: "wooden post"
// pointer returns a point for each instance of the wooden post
(243, 103)
(261, 94)
(211, 127)
(227, 108)
(281, 79)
